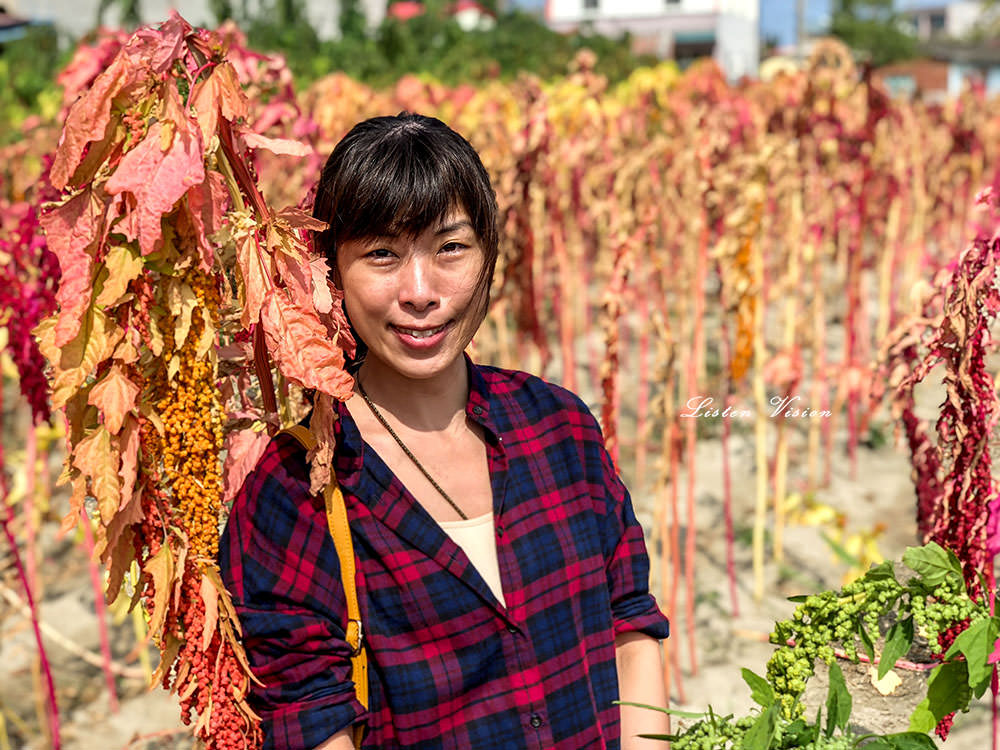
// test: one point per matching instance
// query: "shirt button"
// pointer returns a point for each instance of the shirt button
(512, 629)
(535, 721)
(477, 410)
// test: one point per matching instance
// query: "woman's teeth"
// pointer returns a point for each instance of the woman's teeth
(421, 334)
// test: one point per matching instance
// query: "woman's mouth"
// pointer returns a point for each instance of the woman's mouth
(421, 333)
(422, 338)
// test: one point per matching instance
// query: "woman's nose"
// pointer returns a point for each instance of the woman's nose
(416, 284)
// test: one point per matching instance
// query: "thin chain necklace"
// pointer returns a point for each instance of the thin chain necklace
(407, 451)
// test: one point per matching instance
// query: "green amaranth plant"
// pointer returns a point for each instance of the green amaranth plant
(767, 728)
(923, 605)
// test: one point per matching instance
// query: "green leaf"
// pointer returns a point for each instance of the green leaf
(760, 690)
(798, 598)
(922, 720)
(933, 563)
(881, 572)
(976, 643)
(799, 733)
(838, 701)
(897, 642)
(899, 741)
(947, 691)
(662, 710)
(908, 741)
(761, 734)
(866, 640)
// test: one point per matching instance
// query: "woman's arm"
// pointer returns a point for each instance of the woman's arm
(640, 680)
(340, 741)
(280, 564)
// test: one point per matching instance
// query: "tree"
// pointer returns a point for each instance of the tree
(129, 12)
(352, 19)
(221, 9)
(873, 29)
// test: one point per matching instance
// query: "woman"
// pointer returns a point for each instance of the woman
(501, 570)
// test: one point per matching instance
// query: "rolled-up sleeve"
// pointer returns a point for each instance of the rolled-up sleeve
(633, 607)
(279, 563)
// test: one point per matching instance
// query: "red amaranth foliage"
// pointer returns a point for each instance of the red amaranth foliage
(90, 60)
(161, 213)
(954, 480)
(956, 492)
(28, 278)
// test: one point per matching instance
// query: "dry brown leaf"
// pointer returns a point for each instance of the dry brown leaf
(161, 568)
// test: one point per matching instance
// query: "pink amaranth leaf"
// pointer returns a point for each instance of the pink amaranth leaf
(243, 449)
(159, 171)
(87, 119)
(301, 347)
(114, 396)
(206, 206)
(74, 230)
(89, 61)
(282, 146)
(219, 93)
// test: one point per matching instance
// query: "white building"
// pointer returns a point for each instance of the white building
(325, 15)
(727, 30)
(77, 17)
(947, 19)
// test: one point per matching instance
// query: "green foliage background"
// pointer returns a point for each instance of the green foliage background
(432, 43)
(872, 28)
(28, 67)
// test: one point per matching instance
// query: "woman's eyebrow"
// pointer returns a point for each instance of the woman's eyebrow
(453, 226)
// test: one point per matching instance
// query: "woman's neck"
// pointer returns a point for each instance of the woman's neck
(431, 404)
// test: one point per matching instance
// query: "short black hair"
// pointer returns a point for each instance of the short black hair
(396, 176)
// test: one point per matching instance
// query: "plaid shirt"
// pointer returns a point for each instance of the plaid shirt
(449, 666)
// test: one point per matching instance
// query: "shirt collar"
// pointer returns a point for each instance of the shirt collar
(478, 406)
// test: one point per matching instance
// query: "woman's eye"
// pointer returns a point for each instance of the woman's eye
(453, 247)
(380, 253)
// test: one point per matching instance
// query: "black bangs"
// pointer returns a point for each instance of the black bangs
(396, 176)
(402, 190)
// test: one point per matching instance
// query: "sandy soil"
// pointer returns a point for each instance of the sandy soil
(880, 491)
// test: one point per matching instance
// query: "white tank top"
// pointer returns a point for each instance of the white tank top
(476, 538)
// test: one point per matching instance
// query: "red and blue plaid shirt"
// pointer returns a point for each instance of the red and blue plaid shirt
(450, 668)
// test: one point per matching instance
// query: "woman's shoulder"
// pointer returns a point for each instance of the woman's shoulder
(526, 391)
(278, 481)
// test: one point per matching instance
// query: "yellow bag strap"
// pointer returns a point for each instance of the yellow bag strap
(340, 530)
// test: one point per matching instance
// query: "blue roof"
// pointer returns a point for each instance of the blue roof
(17, 28)
(694, 37)
(12, 33)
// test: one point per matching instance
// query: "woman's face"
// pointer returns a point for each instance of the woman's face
(415, 301)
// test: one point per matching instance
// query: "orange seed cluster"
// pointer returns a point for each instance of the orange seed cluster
(192, 422)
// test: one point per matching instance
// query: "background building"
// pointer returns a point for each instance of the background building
(954, 55)
(727, 30)
(12, 26)
(77, 17)
(947, 19)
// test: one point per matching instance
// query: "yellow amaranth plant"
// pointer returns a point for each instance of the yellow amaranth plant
(192, 424)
